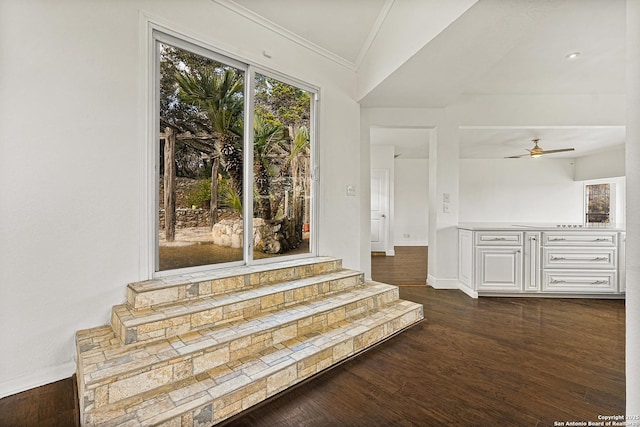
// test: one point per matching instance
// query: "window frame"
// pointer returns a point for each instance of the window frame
(616, 201)
(160, 34)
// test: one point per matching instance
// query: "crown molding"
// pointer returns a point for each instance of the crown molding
(382, 16)
(272, 26)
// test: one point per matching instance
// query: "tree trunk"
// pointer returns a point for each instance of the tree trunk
(213, 206)
(169, 185)
(307, 188)
(232, 161)
(263, 184)
(298, 202)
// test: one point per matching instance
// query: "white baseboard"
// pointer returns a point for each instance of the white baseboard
(37, 379)
(411, 243)
(467, 290)
(390, 252)
(442, 283)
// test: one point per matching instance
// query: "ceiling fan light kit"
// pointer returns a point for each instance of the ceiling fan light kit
(537, 151)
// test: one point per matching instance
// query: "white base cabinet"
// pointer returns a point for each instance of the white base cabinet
(499, 269)
(544, 263)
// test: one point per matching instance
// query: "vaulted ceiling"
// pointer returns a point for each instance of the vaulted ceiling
(496, 47)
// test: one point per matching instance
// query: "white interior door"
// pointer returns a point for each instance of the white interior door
(379, 209)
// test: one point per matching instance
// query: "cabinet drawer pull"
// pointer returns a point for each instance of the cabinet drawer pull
(602, 239)
(557, 239)
(561, 258)
(597, 282)
(499, 238)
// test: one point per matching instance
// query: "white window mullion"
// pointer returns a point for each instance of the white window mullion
(247, 192)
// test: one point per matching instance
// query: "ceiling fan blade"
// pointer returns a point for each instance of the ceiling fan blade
(516, 157)
(558, 151)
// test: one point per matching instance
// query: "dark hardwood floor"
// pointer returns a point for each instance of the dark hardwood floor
(52, 405)
(407, 267)
(485, 362)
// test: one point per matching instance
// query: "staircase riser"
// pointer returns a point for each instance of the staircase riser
(170, 327)
(114, 389)
(214, 405)
(202, 289)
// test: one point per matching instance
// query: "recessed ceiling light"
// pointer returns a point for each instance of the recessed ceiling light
(571, 56)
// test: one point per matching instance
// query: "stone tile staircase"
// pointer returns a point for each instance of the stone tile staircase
(196, 349)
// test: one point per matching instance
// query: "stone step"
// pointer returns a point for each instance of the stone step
(112, 372)
(193, 286)
(216, 394)
(166, 321)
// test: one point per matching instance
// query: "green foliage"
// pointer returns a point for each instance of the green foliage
(289, 105)
(200, 194)
(219, 95)
(201, 95)
(229, 197)
(301, 142)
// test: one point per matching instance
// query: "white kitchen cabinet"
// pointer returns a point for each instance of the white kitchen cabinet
(580, 262)
(531, 261)
(541, 261)
(499, 268)
(581, 281)
(465, 259)
(622, 276)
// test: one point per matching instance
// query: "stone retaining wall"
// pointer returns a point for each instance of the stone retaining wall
(272, 237)
(187, 218)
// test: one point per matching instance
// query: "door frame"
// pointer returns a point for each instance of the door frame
(386, 211)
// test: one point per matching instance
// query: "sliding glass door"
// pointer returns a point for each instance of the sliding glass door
(235, 152)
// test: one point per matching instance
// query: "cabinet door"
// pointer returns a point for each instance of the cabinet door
(532, 261)
(499, 269)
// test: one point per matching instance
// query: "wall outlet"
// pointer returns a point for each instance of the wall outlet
(406, 235)
(351, 190)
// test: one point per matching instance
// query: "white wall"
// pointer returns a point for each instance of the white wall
(74, 113)
(632, 303)
(411, 202)
(608, 164)
(520, 190)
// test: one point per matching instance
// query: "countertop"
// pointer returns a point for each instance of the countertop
(478, 226)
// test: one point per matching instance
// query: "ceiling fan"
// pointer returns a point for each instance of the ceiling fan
(537, 151)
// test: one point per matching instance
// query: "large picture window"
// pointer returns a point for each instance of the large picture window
(235, 151)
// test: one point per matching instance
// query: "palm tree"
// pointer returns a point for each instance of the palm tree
(220, 96)
(267, 139)
(299, 162)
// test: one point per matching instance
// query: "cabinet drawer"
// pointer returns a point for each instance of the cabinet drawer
(597, 258)
(579, 281)
(498, 238)
(580, 238)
